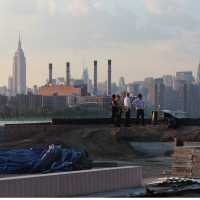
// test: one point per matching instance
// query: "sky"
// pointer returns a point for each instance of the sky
(143, 38)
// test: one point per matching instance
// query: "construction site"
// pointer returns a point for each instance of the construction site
(149, 149)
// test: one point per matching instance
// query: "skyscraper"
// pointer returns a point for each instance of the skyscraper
(19, 70)
(168, 80)
(156, 97)
(190, 99)
(122, 86)
(84, 75)
(186, 75)
(198, 75)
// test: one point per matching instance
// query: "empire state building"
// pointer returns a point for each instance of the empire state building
(19, 71)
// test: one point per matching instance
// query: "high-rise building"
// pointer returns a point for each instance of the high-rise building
(158, 80)
(156, 97)
(35, 90)
(172, 99)
(4, 90)
(19, 70)
(187, 76)
(89, 86)
(114, 88)
(148, 82)
(20, 89)
(144, 91)
(60, 80)
(198, 75)
(84, 75)
(10, 83)
(168, 80)
(29, 90)
(178, 83)
(190, 99)
(78, 82)
(140, 83)
(9, 93)
(102, 86)
(133, 89)
(53, 82)
(122, 86)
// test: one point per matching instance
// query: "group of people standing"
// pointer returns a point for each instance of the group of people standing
(118, 109)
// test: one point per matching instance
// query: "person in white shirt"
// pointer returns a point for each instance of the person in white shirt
(139, 104)
(127, 103)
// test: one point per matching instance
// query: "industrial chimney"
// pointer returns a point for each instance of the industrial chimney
(50, 73)
(68, 74)
(109, 79)
(95, 79)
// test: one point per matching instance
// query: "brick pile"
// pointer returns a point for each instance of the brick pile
(186, 162)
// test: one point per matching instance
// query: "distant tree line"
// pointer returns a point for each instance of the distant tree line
(50, 112)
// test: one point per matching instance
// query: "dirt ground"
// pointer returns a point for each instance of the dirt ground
(103, 142)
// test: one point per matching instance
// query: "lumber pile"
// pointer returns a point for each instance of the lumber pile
(186, 162)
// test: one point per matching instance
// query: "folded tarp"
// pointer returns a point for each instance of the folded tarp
(41, 160)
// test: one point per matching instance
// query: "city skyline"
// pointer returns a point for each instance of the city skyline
(142, 36)
(19, 57)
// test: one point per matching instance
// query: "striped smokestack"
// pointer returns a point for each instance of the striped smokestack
(68, 74)
(50, 73)
(109, 79)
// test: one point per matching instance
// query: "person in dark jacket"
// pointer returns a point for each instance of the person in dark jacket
(119, 111)
(114, 110)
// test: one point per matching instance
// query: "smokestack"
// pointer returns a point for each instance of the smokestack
(109, 79)
(50, 73)
(95, 79)
(68, 74)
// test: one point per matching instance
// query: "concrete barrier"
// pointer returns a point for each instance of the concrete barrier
(64, 121)
(1, 133)
(157, 148)
(71, 184)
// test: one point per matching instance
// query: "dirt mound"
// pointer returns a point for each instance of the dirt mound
(106, 143)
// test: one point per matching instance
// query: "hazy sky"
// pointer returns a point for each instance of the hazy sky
(143, 38)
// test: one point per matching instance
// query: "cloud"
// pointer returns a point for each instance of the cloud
(99, 7)
(80, 7)
(21, 7)
(160, 6)
(53, 31)
(170, 14)
(52, 6)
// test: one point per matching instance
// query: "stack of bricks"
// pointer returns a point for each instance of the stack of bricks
(186, 162)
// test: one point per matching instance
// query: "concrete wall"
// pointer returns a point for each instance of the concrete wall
(94, 121)
(157, 148)
(1, 133)
(182, 121)
(69, 184)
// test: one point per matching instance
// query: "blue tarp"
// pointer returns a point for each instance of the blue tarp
(40, 160)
